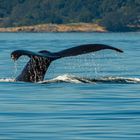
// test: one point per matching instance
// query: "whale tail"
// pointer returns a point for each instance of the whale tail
(39, 62)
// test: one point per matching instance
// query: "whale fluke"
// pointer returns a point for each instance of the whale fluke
(39, 62)
(81, 49)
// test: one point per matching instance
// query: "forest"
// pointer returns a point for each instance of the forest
(114, 15)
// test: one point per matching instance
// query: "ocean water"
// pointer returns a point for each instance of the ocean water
(89, 97)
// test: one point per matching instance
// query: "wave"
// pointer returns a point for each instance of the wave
(76, 79)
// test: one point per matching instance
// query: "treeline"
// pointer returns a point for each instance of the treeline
(115, 15)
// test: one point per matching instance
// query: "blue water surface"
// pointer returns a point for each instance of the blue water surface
(90, 97)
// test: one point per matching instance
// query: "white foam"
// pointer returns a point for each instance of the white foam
(120, 79)
(75, 79)
(63, 78)
(7, 80)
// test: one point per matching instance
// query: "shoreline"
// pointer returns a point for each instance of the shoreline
(75, 27)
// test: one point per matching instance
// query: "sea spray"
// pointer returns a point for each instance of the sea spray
(15, 69)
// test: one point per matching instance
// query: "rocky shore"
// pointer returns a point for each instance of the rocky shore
(78, 27)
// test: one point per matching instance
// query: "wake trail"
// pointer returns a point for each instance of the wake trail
(76, 79)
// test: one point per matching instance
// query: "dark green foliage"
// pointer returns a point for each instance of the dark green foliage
(121, 15)
(116, 15)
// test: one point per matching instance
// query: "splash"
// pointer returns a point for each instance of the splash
(75, 79)
(15, 68)
(7, 80)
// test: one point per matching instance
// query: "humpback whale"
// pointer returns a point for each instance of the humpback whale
(36, 68)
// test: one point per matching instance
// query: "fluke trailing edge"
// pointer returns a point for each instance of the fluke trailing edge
(35, 69)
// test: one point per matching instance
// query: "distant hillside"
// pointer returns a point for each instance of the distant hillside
(115, 15)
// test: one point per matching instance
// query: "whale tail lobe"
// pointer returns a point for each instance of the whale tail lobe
(84, 49)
